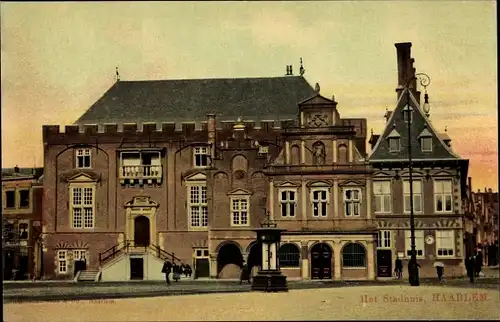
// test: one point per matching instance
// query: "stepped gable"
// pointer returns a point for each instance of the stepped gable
(420, 124)
(192, 99)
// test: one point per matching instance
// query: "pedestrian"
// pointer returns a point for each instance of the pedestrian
(167, 268)
(177, 274)
(440, 270)
(182, 270)
(470, 265)
(479, 262)
(398, 268)
(189, 271)
(245, 274)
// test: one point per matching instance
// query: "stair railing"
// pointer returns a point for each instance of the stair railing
(113, 251)
(163, 254)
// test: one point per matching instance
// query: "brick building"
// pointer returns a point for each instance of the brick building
(482, 225)
(123, 191)
(21, 223)
(439, 181)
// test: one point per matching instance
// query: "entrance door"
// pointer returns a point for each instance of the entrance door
(384, 263)
(321, 262)
(80, 265)
(136, 268)
(141, 231)
(202, 267)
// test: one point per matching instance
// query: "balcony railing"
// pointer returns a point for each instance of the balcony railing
(141, 172)
(348, 168)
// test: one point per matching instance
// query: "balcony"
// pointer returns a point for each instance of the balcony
(140, 168)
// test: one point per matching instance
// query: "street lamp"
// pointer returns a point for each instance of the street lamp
(424, 80)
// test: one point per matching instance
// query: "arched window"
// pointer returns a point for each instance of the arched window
(342, 154)
(289, 255)
(353, 255)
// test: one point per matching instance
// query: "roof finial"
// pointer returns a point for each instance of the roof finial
(302, 70)
(117, 74)
(317, 88)
(446, 128)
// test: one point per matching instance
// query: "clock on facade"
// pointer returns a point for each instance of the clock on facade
(318, 119)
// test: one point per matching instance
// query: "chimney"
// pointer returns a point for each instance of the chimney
(211, 128)
(16, 169)
(405, 69)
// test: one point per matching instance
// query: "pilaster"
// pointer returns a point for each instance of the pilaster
(337, 271)
(213, 265)
(369, 198)
(334, 151)
(287, 152)
(335, 198)
(271, 199)
(371, 259)
(303, 201)
(302, 152)
(305, 261)
(350, 151)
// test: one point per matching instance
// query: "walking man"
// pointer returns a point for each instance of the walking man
(470, 264)
(398, 268)
(167, 268)
(440, 270)
(245, 274)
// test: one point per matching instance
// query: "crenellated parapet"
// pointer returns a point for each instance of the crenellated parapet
(186, 131)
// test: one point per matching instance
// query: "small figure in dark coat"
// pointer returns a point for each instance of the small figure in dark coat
(189, 271)
(183, 270)
(167, 269)
(470, 265)
(398, 268)
(245, 274)
(479, 263)
(176, 270)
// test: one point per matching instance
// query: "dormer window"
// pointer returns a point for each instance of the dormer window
(394, 145)
(425, 139)
(408, 111)
(201, 157)
(394, 141)
(426, 144)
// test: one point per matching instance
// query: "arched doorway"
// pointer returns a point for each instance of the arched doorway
(254, 256)
(229, 261)
(141, 231)
(321, 261)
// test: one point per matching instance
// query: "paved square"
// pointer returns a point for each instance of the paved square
(395, 302)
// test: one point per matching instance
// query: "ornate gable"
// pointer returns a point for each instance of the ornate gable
(198, 176)
(420, 125)
(82, 177)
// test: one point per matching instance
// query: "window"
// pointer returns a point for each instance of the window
(10, 199)
(82, 207)
(443, 195)
(319, 202)
(24, 198)
(394, 145)
(201, 253)
(83, 158)
(426, 144)
(445, 243)
(288, 202)
(9, 232)
(198, 206)
(408, 111)
(353, 255)
(382, 192)
(23, 231)
(239, 212)
(352, 201)
(201, 157)
(417, 195)
(419, 242)
(80, 255)
(62, 266)
(289, 255)
(384, 239)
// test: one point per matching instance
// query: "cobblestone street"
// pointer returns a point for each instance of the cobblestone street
(392, 302)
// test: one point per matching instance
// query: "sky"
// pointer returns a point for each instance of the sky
(58, 58)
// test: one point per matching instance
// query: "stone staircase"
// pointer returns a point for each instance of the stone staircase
(88, 275)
